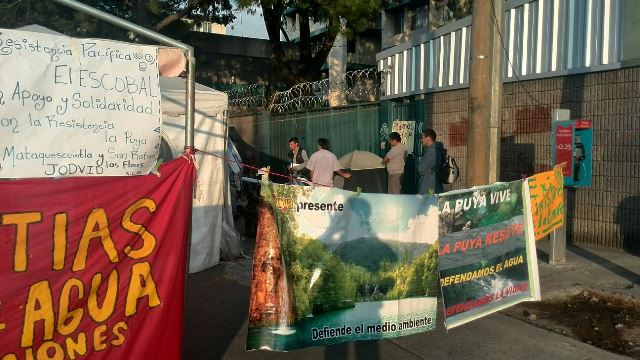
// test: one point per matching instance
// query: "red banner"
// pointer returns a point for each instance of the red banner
(94, 267)
(563, 148)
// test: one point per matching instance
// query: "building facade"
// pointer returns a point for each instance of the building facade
(581, 55)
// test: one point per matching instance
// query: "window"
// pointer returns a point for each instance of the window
(413, 21)
(351, 45)
(398, 21)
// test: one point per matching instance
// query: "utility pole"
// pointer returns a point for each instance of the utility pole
(496, 91)
(482, 131)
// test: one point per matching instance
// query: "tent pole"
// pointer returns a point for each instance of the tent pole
(152, 35)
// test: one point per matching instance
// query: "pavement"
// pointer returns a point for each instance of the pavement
(218, 300)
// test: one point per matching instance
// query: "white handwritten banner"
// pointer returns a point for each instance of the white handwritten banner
(407, 131)
(77, 107)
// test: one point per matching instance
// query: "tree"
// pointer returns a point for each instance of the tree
(159, 15)
(340, 16)
(442, 12)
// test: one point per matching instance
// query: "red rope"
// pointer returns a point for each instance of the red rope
(288, 177)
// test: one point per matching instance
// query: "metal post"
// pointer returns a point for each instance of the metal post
(558, 239)
(495, 117)
(152, 35)
(191, 102)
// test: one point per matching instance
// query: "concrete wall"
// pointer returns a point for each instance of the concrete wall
(231, 59)
(389, 37)
(607, 213)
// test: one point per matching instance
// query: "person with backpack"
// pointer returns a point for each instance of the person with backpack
(429, 182)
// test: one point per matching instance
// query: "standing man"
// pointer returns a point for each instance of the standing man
(395, 163)
(323, 163)
(298, 158)
(429, 183)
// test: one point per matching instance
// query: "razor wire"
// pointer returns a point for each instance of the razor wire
(246, 97)
(358, 86)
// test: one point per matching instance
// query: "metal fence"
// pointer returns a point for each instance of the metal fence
(348, 128)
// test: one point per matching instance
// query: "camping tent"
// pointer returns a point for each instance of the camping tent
(212, 231)
(367, 170)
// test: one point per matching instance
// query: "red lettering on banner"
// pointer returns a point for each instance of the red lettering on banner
(499, 236)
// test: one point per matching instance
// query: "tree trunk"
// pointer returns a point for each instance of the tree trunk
(305, 72)
(142, 13)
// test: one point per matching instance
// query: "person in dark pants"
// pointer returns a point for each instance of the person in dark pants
(429, 183)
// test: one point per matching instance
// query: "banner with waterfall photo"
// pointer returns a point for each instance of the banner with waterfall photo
(487, 256)
(332, 265)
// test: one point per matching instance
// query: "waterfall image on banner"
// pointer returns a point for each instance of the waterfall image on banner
(333, 266)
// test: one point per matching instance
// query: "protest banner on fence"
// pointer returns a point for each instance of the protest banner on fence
(77, 107)
(333, 266)
(94, 267)
(547, 201)
(407, 131)
(487, 256)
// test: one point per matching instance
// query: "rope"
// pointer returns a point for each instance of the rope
(288, 177)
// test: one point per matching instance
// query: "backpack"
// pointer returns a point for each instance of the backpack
(449, 170)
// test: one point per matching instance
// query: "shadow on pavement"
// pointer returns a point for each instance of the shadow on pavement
(211, 330)
(364, 350)
(542, 255)
(607, 264)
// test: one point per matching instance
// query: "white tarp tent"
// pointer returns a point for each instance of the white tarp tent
(361, 160)
(212, 231)
(367, 172)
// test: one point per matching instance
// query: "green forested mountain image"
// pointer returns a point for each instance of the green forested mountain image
(341, 281)
(325, 278)
(371, 253)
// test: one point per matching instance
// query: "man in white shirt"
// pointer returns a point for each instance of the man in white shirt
(395, 163)
(323, 163)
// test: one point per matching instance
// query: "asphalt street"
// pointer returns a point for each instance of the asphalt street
(218, 299)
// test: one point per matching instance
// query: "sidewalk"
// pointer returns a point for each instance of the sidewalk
(218, 299)
(600, 269)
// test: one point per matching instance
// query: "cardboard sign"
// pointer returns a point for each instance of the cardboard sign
(77, 107)
(407, 131)
(547, 201)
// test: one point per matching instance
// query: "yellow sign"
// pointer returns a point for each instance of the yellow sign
(547, 201)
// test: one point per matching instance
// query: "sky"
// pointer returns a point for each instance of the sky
(406, 218)
(248, 25)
